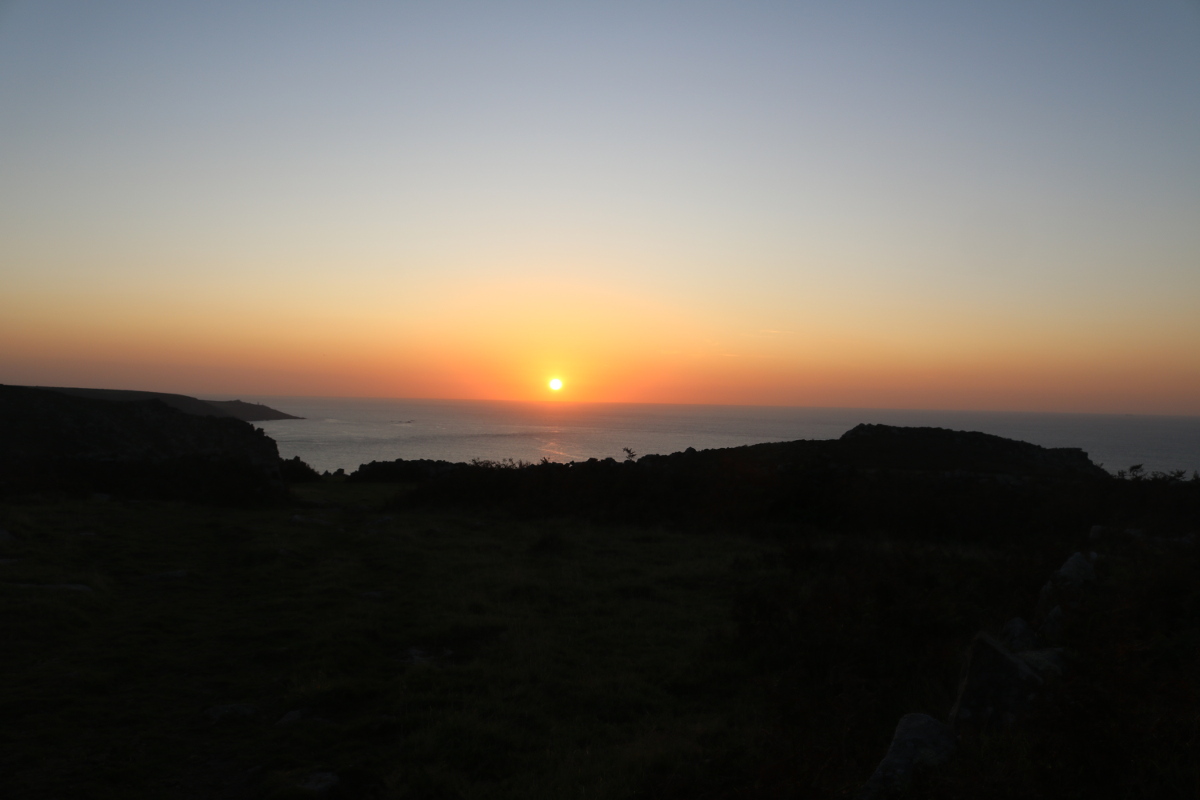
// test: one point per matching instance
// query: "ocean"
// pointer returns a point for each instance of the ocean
(342, 433)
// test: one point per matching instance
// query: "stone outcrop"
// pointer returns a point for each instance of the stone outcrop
(1017, 635)
(920, 742)
(1061, 594)
(1047, 661)
(996, 687)
(1001, 680)
(1077, 572)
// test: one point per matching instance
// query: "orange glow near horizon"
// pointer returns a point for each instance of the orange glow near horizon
(498, 342)
(647, 358)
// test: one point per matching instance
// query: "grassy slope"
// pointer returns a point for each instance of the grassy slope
(553, 649)
(455, 655)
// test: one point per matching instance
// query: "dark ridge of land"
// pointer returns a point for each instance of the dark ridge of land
(238, 409)
(57, 441)
(249, 412)
(919, 481)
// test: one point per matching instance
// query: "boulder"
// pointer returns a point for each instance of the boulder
(1047, 662)
(1052, 625)
(996, 687)
(1017, 635)
(1065, 588)
(1047, 600)
(1076, 572)
(920, 742)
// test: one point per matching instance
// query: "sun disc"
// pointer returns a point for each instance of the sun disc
(555, 384)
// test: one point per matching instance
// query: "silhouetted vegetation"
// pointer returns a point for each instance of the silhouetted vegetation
(294, 470)
(919, 482)
(400, 471)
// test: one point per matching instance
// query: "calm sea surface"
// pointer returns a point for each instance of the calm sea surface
(342, 432)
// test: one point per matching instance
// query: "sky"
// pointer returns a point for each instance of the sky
(990, 205)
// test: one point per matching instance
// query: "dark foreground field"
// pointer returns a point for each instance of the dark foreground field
(346, 645)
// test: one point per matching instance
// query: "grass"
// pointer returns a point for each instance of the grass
(460, 655)
(431, 654)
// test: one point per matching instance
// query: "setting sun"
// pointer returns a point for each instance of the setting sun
(555, 384)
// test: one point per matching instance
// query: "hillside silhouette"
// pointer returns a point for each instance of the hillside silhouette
(926, 481)
(237, 409)
(59, 441)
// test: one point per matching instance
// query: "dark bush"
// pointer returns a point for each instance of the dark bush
(294, 470)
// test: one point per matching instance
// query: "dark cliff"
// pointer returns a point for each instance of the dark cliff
(237, 409)
(61, 442)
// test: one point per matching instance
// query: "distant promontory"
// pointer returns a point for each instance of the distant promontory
(237, 409)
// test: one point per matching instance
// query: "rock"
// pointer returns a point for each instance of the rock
(1064, 589)
(1052, 625)
(1017, 635)
(996, 687)
(229, 712)
(1047, 599)
(920, 742)
(319, 782)
(1047, 662)
(1076, 572)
